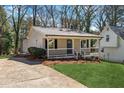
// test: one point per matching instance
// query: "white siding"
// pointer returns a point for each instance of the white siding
(113, 39)
(25, 45)
(113, 50)
(35, 40)
(115, 54)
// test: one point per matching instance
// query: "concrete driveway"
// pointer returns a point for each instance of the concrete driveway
(20, 72)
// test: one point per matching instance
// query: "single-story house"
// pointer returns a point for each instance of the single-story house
(62, 43)
(112, 43)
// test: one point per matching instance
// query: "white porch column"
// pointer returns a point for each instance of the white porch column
(48, 48)
(89, 46)
(89, 43)
(73, 45)
(80, 46)
(98, 40)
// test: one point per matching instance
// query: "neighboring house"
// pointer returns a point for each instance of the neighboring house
(62, 43)
(112, 43)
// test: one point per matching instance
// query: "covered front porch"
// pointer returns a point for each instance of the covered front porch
(71, 47)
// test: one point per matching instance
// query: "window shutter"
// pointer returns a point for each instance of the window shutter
(55, 43)
(91, 42)
(87, 43)
(45, 43)
(81, 44)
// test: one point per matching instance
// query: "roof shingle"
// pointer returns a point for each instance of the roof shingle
(64, 32)
(118, 30)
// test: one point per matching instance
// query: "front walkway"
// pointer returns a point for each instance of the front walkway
(19, 73)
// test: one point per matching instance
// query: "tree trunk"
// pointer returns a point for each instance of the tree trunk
(21, 46)
(34, 14)
(16, 43)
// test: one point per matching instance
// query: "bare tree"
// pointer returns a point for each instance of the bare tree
(79, 17)
(100, 18)
(66, 16)
(18, 13)
(48, 15)
(114, 13)
(43, 16)
(89, 14)
(34, 8)
(52, 13)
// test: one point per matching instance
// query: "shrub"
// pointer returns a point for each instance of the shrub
(6, 43)
(37, 52)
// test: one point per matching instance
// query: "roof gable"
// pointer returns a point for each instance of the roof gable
(118, 30)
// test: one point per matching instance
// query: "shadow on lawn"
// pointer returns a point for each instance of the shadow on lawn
(25, 60)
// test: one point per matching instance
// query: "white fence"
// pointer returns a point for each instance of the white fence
(71, 52)
(93, 51)
(61, 53)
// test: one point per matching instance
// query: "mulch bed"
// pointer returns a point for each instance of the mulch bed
(54, 62)
(51, 62)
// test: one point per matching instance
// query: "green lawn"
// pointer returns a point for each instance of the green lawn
(4, 56)
(95, 75)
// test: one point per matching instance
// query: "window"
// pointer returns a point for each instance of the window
(45, 43)
(93, 42)
(53, 43)
(107, 38)
(83, 43)
(87, 43)
(102, 50)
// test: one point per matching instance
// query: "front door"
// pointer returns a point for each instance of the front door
(69, 46)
